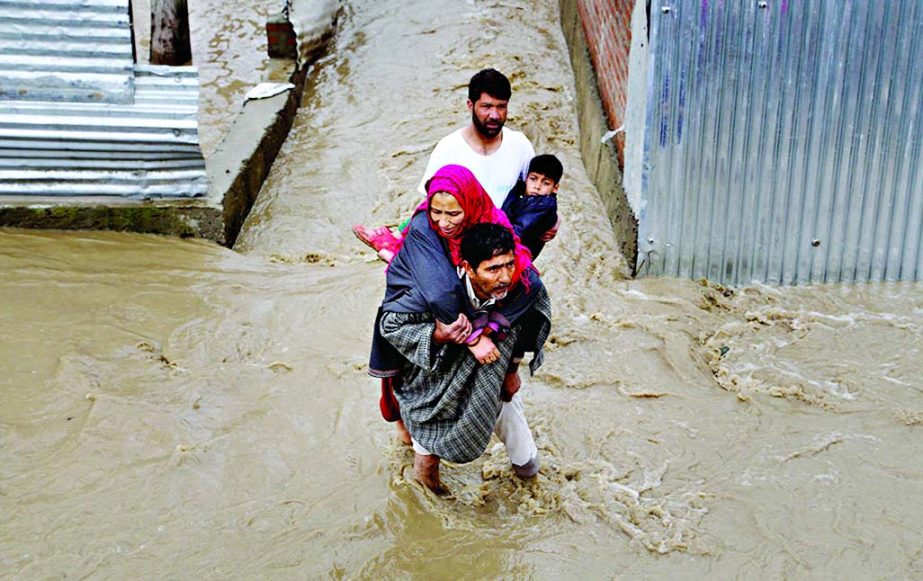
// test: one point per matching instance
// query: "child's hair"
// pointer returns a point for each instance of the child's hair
(547, 165)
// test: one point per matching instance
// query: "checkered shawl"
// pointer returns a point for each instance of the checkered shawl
(450, 402)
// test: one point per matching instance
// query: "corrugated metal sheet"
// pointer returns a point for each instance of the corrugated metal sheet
(65, 50)
(784, 141)
(77, 117)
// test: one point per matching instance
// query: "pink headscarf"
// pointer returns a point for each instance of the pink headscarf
(460, 183)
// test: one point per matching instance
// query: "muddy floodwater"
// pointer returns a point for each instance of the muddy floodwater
(173, 409)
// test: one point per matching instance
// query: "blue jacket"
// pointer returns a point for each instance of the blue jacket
(531, 216)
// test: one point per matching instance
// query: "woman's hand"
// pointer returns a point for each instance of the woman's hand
(484, 350)
(456, 332)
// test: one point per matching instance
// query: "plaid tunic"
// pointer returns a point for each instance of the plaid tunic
(450, 402)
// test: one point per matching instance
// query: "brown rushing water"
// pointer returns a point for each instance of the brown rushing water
(172, 409)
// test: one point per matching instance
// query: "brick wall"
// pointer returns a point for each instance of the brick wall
(607, 28)
(601, 160)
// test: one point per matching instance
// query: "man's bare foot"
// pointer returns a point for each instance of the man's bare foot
(426, 472)
(402, 434)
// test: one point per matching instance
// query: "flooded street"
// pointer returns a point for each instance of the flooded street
(174, 409)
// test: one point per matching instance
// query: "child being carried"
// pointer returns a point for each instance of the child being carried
(532, 206)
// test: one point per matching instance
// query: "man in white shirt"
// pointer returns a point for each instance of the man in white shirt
(496, 155)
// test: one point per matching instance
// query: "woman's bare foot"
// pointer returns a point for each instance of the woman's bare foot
(386, 255)
(402, 434)
(426, 472)
(368, 235)
(377, 238)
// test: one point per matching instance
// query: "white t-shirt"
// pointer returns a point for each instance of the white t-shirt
(497, 172)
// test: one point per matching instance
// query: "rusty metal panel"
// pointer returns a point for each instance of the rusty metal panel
(784, 141)
(77, 117)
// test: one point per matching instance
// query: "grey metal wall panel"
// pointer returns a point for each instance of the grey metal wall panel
(77, 117)
(54, 50)
(783, 141)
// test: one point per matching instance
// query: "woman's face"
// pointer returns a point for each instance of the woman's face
(446, 213)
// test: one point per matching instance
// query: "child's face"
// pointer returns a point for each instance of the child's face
(539, 185)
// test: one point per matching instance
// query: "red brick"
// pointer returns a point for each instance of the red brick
(607, 28)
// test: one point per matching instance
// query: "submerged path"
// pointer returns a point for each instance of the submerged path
(173, 409)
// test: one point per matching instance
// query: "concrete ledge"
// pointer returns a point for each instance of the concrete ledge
(600, 159)
(238, 168)
(188, 218)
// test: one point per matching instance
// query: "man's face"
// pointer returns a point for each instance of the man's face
(488, 114)
(493, 277)
(539, 185)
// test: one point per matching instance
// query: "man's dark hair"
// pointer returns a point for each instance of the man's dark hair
(492, 82)
(484, 241)
(547, 165)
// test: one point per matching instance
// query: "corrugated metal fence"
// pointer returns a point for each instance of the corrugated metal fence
(78, 118)
(784, 141)
(65, 50)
